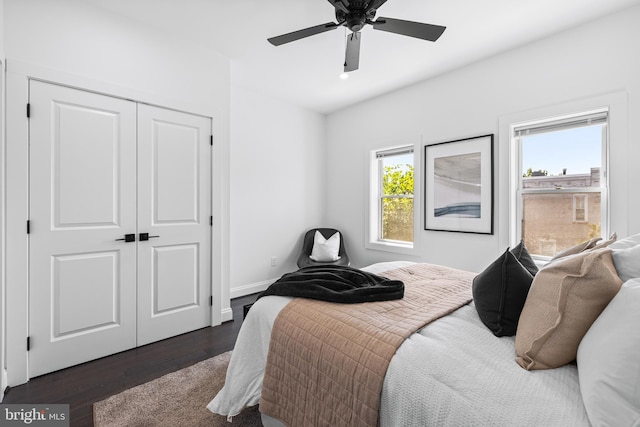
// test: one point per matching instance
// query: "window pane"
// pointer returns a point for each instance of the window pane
(397, 219)
(397, 198)
(550, 223)
(568, 159)
(397, 175)
(561, 156)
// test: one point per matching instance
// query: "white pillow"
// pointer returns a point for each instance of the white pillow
(608, 362)
(627, 262)
(627, 242)
(325, 250)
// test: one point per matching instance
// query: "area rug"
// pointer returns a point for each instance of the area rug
(176, 399)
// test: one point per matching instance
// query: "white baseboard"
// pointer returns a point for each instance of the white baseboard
(249, 289)
(227, 314)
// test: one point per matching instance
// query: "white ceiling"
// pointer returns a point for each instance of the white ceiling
(306, 72)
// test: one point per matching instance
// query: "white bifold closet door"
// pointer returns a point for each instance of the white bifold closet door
(174, 208)
(119, 235)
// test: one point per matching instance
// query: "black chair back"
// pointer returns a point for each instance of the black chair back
(307, 247)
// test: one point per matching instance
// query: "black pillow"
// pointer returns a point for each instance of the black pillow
(522, 255)
(499, 293)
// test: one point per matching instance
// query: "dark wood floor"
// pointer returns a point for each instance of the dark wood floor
(82, 385)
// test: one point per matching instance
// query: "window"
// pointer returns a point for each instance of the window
(580, 207)
(562, 181)
(391, 211)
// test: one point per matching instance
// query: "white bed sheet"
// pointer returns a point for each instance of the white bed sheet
(432, 380)
(243, 383)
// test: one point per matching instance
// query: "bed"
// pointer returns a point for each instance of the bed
(456, 372)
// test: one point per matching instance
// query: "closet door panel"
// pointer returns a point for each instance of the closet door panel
(174, 205)
(82, 200)
(176, 175)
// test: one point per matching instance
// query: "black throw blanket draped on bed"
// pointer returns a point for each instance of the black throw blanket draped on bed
(336, 283)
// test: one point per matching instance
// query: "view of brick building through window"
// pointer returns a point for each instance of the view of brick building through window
(556, 220)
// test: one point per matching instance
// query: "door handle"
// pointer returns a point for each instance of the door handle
(145, 236)
(128, 238)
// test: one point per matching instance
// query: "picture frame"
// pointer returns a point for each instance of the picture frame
(458, 185)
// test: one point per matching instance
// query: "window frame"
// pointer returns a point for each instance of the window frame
(373, 211)
(565, 121)
(529, 108)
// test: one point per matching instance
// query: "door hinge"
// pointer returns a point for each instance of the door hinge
(28, 226)
(28, 110)
(211, 300)
(28, 343)
(211, 139)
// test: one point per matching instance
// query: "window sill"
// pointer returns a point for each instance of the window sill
(541, 261)
(396, 247)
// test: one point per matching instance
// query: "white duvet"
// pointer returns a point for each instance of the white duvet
(454, 372)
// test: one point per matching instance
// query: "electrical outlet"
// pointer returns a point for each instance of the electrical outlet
(274, 261)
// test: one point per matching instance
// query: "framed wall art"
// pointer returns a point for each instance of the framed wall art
(458, 185)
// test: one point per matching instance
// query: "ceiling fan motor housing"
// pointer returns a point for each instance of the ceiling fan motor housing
(356, 20)
(355, 15)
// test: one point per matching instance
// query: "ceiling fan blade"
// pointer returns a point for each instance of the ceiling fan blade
(300, 34)
(352, 56)
(409, 28)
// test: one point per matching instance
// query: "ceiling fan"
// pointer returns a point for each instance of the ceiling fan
(355, 14)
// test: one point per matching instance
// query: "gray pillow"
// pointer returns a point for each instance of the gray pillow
(522, 254)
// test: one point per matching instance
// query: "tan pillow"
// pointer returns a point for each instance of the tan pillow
(565, 298)
(605, 243)
(580, 247)
(592, 244)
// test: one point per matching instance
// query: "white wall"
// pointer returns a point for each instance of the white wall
(277, 186)
(2, 30)
(87, 41)
(585, 62)
(3, 383)
(70, 42)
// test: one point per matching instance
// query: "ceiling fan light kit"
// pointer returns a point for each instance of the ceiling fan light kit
(355, 14)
